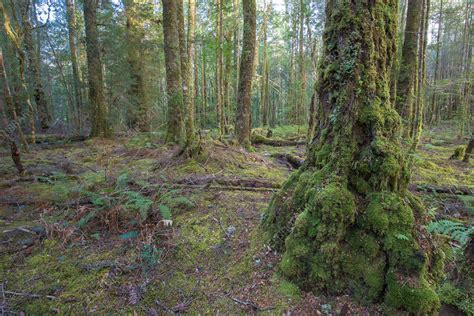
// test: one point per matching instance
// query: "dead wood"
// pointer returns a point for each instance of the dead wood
(277, 142)
(228, 181)
(292, 160)
(442, 189)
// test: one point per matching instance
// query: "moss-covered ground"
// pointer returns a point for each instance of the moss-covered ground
(87, 231)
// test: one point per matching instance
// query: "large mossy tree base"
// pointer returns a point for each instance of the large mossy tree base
(345, 222)
(339, 241)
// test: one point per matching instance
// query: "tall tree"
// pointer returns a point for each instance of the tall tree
(15, 37)
(135, 33)
(191, 78)
(99, 112)
(243, 123)
(175, 128)
(220, 67)
(407, 83)
(34, 65)
(434, 115)
(8, 106)
(345, 221)
(77, 83)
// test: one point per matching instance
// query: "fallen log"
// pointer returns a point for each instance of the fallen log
(294, 161)
(228, 181)
(223, 188)
(441, 189)
(277, 142)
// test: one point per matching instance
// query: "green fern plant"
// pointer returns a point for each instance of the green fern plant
(455, 230)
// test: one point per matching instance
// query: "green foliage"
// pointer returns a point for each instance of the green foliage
(455, 296)
(457, 231)
(133, 202)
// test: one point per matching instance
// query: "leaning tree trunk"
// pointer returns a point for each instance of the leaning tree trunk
(345, 220)
(100, 127)
(243, 120)
(175, 129)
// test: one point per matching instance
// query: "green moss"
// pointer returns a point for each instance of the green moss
(190, 166)
(288, 289)
(417, 298)
(459, 153)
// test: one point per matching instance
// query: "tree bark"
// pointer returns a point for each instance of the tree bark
(406, 86)
(345, 220)
(175, 129)
(435, 117)
(243, 122)
(77, 83)
(7, 102)
(139, 118)
(99, 112)
(34, 66)
(21, 90)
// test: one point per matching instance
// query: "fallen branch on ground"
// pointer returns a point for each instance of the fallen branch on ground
(30, 295)
(227, 181)
(443, 189)
(277, 142)
(251, 304)
(293, 160)
(226, 188)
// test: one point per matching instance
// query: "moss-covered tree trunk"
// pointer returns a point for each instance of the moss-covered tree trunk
(99, 111)
(33, 57)
(243, 122)
(175, 129)
(407, 77)
(345, 221)
(139, 117)
(22, 95)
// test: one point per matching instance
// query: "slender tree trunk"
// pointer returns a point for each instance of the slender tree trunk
(139, 117)
(220, 68)
(34, 66)
(416, 125)
(264, 76)
(21, 93)
(407, 84)
(174, 87)
(434, 106)
(7, 100)
(77, 83)
(204, 89)
(302, 69)
(99, 112)
(243, 117)
(345, 221)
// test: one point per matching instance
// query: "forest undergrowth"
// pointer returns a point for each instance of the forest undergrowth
(98, 226)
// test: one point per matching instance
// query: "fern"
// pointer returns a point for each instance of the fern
(455, 230)
(139, 203)
(165, 211)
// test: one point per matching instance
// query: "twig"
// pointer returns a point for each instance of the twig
(251, 304)
(30, 295)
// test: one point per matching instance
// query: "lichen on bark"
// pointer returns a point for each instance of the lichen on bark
(345, 222)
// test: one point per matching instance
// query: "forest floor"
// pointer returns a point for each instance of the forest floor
(101, 226)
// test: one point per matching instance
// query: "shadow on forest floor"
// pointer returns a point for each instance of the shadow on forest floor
(102, 226)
